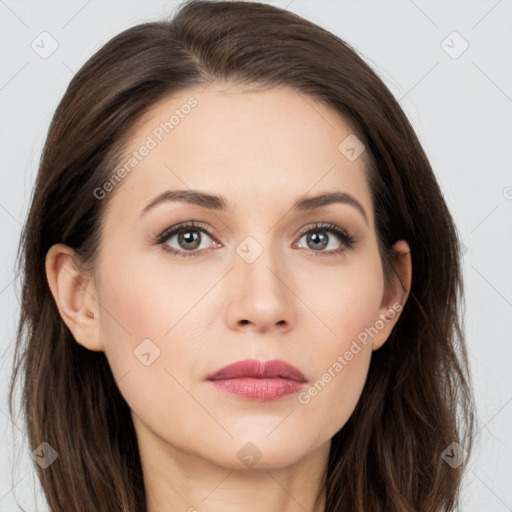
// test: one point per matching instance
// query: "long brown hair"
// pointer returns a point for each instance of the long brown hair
(417, 399)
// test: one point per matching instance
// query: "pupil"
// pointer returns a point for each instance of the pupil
(322, 239)
(189, 237)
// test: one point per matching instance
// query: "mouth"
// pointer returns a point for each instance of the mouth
(258, 380)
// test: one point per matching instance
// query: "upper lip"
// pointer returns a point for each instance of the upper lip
(258, 369)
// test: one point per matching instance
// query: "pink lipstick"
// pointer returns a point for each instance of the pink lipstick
(258, 380)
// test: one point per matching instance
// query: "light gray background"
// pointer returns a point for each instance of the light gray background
(461, 109)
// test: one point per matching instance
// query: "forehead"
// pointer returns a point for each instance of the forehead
(253, 146)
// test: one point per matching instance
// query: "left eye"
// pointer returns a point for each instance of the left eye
(321, 239)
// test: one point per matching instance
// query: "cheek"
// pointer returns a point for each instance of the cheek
(137, 309)
(147, 325)
(332, 394)
(142, 300)
(342, 299)
(345, 303)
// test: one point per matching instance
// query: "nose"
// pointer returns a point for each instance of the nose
(261, 296)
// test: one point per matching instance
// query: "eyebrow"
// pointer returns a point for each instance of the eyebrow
(219, 203)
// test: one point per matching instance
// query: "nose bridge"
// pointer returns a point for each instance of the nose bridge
(259, 263)
(260, 277)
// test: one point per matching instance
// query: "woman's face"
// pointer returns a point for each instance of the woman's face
(259, 278)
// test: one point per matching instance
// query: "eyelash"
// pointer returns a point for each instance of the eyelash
(345, 237)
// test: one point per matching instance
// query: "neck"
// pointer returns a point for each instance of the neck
(178, 480)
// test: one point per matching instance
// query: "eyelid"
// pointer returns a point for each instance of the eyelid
(181, 226)
(347, 239)
(190, 224)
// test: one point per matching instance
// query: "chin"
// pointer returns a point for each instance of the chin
(256, 452)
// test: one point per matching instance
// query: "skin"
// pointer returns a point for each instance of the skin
(261, 149)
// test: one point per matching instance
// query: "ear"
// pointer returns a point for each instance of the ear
(395, 294)
(75, 296)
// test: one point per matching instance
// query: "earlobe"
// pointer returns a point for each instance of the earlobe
(74, 296)
(396, 294)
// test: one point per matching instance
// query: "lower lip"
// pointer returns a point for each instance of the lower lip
(261, 390)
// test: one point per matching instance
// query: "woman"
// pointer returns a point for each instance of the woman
(241, 281)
